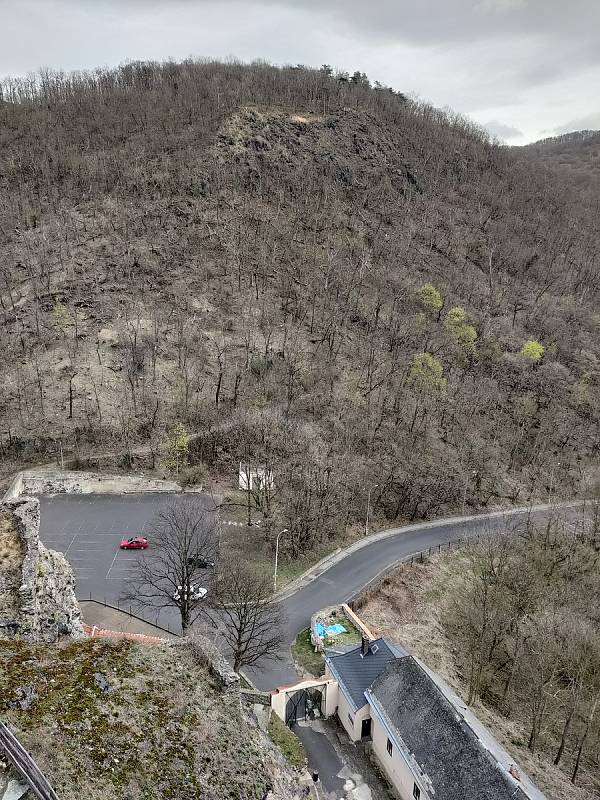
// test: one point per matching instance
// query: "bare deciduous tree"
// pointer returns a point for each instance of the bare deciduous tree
(253, 624)
(183, 547)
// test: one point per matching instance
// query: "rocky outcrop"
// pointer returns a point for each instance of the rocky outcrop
(37, 586)
(12, 787)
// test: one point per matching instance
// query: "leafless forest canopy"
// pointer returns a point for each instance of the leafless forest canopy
(573, 156)
(304, 271)
(523, 618)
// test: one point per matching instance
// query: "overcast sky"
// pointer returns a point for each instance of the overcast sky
(525, 69)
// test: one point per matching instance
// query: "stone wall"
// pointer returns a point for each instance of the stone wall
(208, 655)
(254, 697)
(37, 594)
(35, 482)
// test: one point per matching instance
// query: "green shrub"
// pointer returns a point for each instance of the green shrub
(289, 744)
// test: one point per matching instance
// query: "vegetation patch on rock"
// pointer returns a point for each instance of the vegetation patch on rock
(111, 720)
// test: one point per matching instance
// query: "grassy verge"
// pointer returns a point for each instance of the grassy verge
(304, 655)
(342, 640)
(289, 744)
(249, 545)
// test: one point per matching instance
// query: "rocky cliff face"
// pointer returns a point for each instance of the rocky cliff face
(37, 597)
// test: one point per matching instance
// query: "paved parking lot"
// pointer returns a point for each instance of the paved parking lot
(87, 528)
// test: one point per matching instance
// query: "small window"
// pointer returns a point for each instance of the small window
(389, 747)
(374, 648)
(350, 719)
(416, 792)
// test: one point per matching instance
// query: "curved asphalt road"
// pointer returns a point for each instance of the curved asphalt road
(353, 573)
(87, 528)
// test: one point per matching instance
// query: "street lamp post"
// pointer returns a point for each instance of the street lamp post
(369, 508)
(285, 530)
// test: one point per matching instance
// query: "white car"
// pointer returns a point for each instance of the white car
(196, 593)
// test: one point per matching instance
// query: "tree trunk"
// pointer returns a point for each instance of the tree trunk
(563, 738)
(583, 738)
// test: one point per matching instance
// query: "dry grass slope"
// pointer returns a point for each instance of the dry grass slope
(409, 608)
(158, 728)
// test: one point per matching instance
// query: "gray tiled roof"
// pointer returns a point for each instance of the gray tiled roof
(441, 742)
(356, 672)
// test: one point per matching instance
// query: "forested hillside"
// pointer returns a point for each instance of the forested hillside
(573, 156)
(305, 271)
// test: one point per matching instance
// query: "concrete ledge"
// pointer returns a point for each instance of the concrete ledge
(47, 482)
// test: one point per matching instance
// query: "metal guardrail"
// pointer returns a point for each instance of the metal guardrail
(25, 764)
(358, 599)
(127, 610)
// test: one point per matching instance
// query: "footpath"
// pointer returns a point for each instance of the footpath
(101, 620)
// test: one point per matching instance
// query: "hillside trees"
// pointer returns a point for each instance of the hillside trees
(231, 241)
(528, 631)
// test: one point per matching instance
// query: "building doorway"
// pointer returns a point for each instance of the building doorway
(365, 728)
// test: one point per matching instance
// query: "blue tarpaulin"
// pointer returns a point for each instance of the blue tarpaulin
(332, 630)
(335, 629)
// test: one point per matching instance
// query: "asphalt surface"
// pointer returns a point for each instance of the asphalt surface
(88, 528)
(322, 758)
(341, 582)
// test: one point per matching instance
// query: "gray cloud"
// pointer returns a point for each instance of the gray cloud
(589, 122)
(502, 131)
(558, 38)
(529, 63)
(426, 21)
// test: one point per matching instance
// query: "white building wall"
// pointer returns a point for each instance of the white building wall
(346, 715)
(350, 719)
(249, 474)
(394, 766)
(331, 698)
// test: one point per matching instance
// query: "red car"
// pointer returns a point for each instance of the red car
(135, 543)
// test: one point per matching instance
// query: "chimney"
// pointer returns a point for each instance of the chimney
(364, 647)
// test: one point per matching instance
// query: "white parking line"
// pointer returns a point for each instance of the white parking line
(71, 542)
(112, 565)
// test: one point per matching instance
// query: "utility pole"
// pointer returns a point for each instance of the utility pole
(285, 530)
(369, 508)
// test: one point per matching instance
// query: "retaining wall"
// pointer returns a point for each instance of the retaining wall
(36, 482)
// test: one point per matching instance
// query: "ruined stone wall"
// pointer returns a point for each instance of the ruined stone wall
(209, 656)
(34, 482)
(37, 585)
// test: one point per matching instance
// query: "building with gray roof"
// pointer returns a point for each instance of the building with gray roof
(429, 745)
